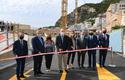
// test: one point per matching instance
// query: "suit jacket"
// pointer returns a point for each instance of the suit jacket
(104, 42)
(37, 45)
(70, 43)
(62, 44)
(98, 35)
(19, 49)
(82, 43)
(92, 43)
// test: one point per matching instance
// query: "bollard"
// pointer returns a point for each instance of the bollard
(112, 57)
(7, 36)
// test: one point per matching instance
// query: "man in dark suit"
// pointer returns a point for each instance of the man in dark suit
(20, 48)
(62, 45)
(81, 44)
(38, 48)
(104, 43)
(98, 33)
(92, 43)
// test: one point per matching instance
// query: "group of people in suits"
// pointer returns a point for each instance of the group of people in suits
(83, 40)
(63, 42)
(40, 46)
(20, 48)
(93, 40)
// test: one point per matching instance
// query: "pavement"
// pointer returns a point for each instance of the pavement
(107, 73)
(6, 64)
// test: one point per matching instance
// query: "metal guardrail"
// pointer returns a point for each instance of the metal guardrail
(8, 42)
(8, 39)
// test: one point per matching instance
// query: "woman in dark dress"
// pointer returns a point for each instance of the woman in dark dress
(49, 47)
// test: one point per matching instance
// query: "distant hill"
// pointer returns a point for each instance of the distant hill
(87, 11)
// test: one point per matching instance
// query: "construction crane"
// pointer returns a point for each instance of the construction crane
(76, 12)
(64, 13)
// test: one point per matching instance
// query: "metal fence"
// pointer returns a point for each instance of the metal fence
(8, 39)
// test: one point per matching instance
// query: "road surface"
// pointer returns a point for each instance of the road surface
(108, 73)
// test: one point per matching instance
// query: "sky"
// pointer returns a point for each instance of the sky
(37, 13)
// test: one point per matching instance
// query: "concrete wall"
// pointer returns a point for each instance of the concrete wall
(116, 40)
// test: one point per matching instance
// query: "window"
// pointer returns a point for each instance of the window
(1, 23)
(123, 5)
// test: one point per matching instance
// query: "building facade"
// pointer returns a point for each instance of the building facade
(100, 21)
(6, 26)
(22, 27)
(115, 15)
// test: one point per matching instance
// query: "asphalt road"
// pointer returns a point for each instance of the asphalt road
(108, 73)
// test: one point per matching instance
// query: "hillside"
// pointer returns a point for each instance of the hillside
(88, 11)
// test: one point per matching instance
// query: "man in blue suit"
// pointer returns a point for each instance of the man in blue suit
(92, 43)
(104, 42)
(38, 48)
(20, 48)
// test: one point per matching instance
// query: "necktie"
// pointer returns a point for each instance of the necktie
(98, 37)
(91, 37)
(62, 38)
(21, 42)
(40, 40)
(105, 37)
(81, 38)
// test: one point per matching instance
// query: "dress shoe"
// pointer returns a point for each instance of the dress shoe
(66, 70)
(71, 66)
(100, 65)
(18, 78)
(89, 67)
(80, 67)
(48, 70)
(40, 73)
(68, 66)
(83, 67)
(22, 76)
(60, 71)
(94, 69)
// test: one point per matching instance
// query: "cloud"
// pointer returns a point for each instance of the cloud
(25, 5)
(35, 12)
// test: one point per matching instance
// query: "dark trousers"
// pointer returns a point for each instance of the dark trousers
(81, 58)
(48, 59)
(37, 64)
(92, 58)
(71, 55)
(20, 66)
(102, 57)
